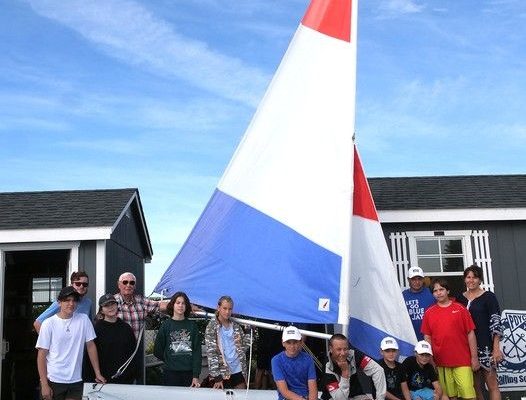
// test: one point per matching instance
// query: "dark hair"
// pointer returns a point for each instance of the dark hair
(226, 298)
(477, 271)
(170, 305)
(337, 336)
(440, 281)
(78, 274)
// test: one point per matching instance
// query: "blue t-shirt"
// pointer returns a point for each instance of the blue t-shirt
(296, 372)
(229, 349)
(416, 304)
(83, 307)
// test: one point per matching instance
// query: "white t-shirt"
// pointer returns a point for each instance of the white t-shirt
(64, 339)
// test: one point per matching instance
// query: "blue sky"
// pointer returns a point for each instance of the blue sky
(157, 94)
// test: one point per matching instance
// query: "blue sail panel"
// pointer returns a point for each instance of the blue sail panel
(239, 251)
(367, 338)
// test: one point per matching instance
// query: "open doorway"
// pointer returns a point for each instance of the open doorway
(32, 280)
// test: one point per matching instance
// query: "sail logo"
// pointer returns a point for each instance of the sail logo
(324, 304)
(512, 370)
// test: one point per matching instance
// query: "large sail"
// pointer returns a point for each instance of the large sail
(276, 234)
(377, 307)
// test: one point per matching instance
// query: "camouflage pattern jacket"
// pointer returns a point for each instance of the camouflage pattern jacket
(214, 351)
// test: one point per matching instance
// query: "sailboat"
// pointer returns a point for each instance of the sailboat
(291, 231)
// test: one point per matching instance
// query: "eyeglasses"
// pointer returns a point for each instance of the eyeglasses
(79, 284)
(131, 283)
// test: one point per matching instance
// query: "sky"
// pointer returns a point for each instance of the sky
(157, 94)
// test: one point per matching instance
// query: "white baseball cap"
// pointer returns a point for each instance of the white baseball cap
(415, 271)
(290, 333)
(423, 347)
(388, 343)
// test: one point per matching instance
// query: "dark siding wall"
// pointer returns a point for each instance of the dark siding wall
(119, 260)
(127, 233)
(125, 253)
(508, 252)
(507, 242)
(87, 263)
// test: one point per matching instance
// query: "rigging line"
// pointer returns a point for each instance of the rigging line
(314, 358)
(250, 361)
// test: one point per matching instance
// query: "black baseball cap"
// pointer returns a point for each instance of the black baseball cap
(106, 299)
(68, 291)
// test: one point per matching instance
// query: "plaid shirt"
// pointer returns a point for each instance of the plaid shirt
(133, 312)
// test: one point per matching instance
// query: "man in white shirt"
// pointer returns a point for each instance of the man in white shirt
(60, 348)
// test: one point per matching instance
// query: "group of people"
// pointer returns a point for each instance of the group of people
(463, 331)
(65, 331)
(458, 346)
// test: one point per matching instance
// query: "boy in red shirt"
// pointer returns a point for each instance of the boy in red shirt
(448, 326)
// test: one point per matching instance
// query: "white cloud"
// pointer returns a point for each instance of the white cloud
(128, 31)
(392, 8)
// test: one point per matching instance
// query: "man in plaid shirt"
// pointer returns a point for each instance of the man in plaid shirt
(133, 308)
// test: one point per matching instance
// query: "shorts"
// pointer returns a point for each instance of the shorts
(67, 390)
(234, 380)
(424, 394)
(457, 382)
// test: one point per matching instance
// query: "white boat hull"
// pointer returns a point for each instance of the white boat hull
(147, 392)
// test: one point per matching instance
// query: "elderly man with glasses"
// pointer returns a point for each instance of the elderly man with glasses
(80, 281)
(133, 307)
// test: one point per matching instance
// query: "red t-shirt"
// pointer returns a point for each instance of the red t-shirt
(449, 327)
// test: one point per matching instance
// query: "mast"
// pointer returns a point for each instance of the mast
(345, 281)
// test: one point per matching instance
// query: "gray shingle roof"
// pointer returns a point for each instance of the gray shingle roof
(449, 192)
(62, 209)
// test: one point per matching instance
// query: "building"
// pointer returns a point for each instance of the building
(446, 223)
(44, 236)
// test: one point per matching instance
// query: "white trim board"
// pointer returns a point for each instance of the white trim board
(54, 235)
(483, 214)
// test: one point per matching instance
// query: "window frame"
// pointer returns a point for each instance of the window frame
(463, 235)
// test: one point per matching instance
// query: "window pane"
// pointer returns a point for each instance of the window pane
(46, 289)
(453, 246)
(456, 284)
(41, 297)
(55, 284)
(429, 264)
(453, 264)
(429, 247)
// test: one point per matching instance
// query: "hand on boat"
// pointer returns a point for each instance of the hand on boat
(195, 383)
(100, 379)
(218, 385)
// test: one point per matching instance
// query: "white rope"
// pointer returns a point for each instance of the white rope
(250, 361)
(123, 367)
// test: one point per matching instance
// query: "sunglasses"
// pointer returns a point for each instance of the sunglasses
(131, 283)
(79, 284)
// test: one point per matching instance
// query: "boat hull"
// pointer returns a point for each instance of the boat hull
(147, 392)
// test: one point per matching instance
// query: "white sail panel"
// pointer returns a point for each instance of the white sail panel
(377, 307)
(295, 161)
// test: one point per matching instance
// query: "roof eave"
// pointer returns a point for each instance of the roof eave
(450, 215)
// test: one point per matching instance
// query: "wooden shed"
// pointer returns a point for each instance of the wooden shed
(44, 236)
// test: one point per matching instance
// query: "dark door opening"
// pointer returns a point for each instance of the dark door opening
(32, 281)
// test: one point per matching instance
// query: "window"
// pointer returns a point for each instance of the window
(444, 253)
(45, 290)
